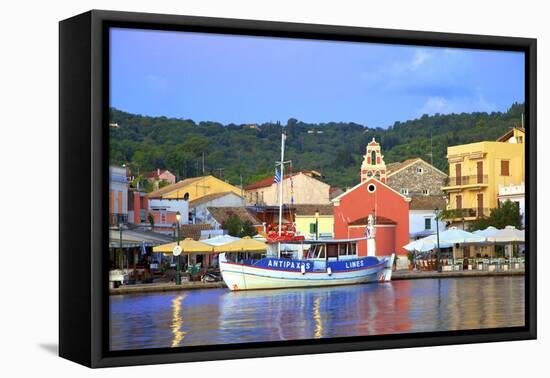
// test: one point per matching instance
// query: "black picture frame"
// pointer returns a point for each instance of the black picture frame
(83, 182)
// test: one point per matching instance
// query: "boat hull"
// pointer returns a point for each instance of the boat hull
(240, 276)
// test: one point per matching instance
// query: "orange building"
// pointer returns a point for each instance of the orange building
(389, 208)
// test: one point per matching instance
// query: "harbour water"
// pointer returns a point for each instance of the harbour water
(219, 316)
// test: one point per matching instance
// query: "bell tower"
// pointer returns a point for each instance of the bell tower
(373, 163)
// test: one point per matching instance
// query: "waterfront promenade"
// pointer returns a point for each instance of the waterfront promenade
(396, 276)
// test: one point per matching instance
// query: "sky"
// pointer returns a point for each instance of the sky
(243, 79)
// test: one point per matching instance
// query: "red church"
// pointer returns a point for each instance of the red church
(389, 209)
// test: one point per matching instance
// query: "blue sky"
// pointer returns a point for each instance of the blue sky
(241, 79)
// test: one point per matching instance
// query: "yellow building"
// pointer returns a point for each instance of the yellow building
(478, 170)
(305, 219)
(194, 188)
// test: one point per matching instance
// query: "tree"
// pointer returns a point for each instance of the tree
(506, 215)
(233, 225)
(248, 229)
(236, 227)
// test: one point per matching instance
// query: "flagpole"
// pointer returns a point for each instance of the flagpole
(282, 171)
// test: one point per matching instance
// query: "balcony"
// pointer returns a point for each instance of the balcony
(466, 181)
(467, 213)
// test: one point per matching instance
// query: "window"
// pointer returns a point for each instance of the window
(426, 192)
(458, 174)
(419, 170)
(459, 202)
(505, 167)
(427, 223)
(404, 191)
(332, 250)
(373, 158)
(312, 228)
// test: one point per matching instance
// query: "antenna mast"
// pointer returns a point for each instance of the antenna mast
(282, 169)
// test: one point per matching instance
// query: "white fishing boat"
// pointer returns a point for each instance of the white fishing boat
(312, 263)
(289, 261)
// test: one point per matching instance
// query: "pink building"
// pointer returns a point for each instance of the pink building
(161, 175)
(138, 207)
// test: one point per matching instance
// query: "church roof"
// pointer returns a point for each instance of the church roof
(378, 182)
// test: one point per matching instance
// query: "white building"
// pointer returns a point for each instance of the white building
(164, 213)
(514, 193)
(198, 208)
(422, 217)
(118, 196)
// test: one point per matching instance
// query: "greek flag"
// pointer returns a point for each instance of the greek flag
(277, 178)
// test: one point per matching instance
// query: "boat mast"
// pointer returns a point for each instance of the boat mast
(282, 169)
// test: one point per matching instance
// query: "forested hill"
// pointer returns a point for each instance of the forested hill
(250, 151)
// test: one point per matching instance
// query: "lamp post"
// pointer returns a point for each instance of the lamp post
(316, 224)
(437, 232)
(120, 242)
(178, 273)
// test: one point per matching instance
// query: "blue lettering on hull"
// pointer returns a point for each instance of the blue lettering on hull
(356, 264)
(307, 266)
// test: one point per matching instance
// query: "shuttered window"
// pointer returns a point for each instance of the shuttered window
(505, 168)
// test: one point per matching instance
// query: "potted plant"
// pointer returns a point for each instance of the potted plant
(410, 257)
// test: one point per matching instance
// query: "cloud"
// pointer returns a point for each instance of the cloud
(436, 105)
(444, 105)
(401, 68)
(420, 71)
(420, 57)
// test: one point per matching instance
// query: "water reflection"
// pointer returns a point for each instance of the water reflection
(219, 316)
(177, 321)
(317, 318)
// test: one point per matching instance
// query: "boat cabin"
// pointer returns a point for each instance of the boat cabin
(332, 251)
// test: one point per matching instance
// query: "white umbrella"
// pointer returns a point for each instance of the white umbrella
(488, 232)
(426, 244)
(509, 234)
(220, 240)
(454, 235)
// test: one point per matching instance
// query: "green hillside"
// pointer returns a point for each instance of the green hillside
(335, 149)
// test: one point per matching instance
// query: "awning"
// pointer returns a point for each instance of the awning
(187, 245)
(220, 240)
(245, 244)
(508, 235)
(426, 244)
(447, 239)
(132, 238)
